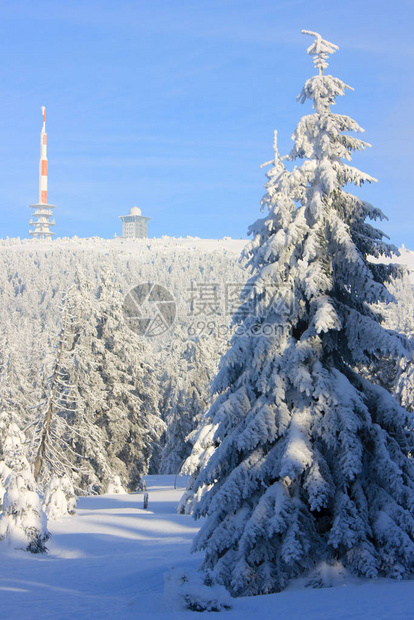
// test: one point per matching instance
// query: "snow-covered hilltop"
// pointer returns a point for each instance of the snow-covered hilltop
(128, 246)
(141, 247)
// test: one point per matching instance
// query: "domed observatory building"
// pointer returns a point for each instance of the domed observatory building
(134, 225)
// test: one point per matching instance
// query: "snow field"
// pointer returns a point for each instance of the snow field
(110, 561)
(106, 562)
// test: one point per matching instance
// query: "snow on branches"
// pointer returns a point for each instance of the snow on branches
(320, 50)
(312, 464)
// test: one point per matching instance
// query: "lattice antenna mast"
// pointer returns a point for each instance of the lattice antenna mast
(320, 50)
(43, 211)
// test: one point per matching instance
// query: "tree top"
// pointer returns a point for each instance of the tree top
(320, 50)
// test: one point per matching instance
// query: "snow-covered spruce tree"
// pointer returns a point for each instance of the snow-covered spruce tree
(188, 397)
(399, 316)
(57, 427)
(313, 464)
(6, 419)
(88, 394)
(23, 524)
(100, 420)
(129, 417)
(51, 430)
(17, 390)
(203, 441)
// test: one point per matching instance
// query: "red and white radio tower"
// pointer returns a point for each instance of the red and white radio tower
(43, 211)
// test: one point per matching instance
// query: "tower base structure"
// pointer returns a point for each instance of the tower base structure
(43, 213)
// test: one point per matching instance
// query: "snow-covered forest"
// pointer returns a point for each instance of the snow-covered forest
(125, 403)
(276, 377)
(181, 362)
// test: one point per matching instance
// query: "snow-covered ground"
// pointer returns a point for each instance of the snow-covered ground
(110, 560)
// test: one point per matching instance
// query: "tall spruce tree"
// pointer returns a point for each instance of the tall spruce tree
(100, 420)
(87, 395)
(188, 398)
(129, 418)
(313, 460)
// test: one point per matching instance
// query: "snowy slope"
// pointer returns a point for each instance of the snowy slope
(109, 561)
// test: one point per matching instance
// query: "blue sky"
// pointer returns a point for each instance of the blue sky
(170, 105)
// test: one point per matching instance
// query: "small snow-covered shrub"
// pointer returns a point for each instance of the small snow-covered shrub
(187, 588)
(328, 575)
(115, 485)
(60, 498)
(23, 524)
